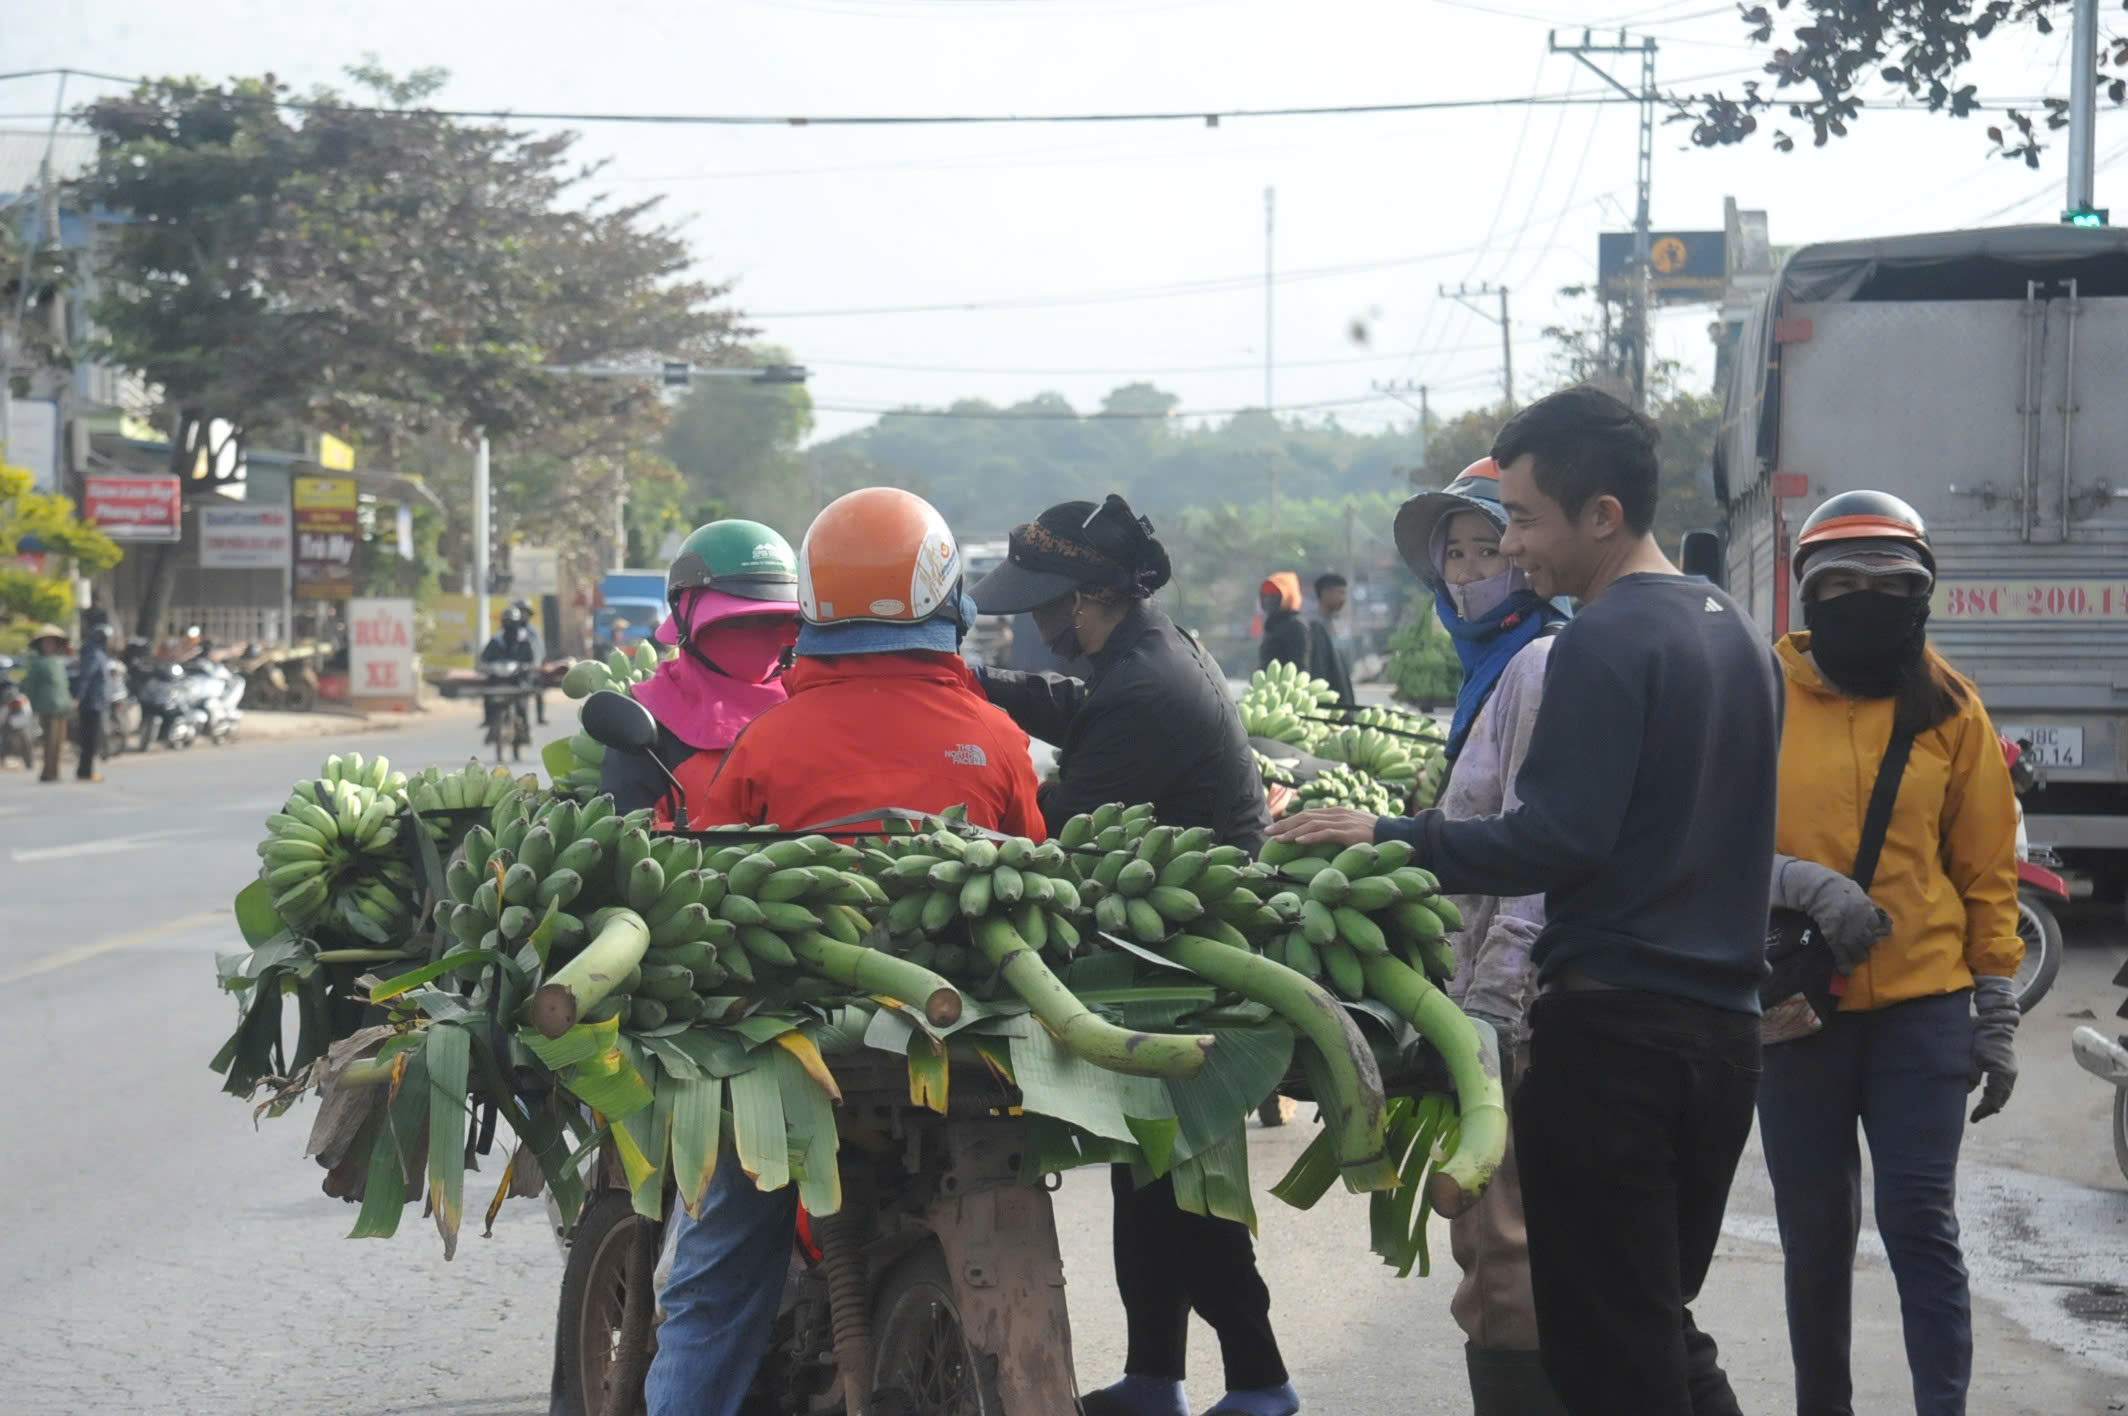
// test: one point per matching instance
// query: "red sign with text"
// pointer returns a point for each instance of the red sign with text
(134, 508)
(380, 648)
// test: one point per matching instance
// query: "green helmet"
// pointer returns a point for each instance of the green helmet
(742, 558)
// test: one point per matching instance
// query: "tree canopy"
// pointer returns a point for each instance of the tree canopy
(42, 523)
(1826, 51)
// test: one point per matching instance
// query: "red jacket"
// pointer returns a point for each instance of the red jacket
(865, 731)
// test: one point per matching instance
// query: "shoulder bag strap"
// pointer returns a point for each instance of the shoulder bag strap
(1881, 798)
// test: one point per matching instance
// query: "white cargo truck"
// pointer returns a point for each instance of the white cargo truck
(1983, 377)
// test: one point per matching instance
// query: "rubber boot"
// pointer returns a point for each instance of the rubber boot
(1508, 1381)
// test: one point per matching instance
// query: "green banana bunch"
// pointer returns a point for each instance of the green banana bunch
(1374, 752)
(438, 789)
(1273, 775)
(545, 874)
(376, 774)
(331, 856)
(619, 671)
(1283, 702)
(586, 766)
(1145, 882)
(1347, 905)
(938, 878)
(1344, 786)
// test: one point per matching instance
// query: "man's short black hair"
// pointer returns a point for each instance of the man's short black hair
(1330, 580)
(1584, 443)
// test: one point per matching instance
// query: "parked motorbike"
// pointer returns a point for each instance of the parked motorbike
(214, 696)
(2040, 888)
(18, 725)
(165, 707)
(2107, 1059)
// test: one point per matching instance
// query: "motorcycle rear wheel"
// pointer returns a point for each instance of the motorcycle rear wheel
(923, 1359)
(594, 1296)
(2042, 936)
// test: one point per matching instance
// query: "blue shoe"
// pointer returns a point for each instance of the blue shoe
(1137, 1396)
(1262, 1401)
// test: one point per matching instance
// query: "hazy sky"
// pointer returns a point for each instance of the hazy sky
(1374, 211)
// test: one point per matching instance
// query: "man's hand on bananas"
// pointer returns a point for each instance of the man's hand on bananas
(1327, 825)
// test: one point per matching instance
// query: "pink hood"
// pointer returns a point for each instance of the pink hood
(705, 709)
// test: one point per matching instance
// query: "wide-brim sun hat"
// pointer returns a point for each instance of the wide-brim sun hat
(1475, 488)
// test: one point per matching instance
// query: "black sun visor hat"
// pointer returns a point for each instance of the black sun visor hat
(1071, 546)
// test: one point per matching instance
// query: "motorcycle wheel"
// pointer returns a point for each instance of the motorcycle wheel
(923, 1359)
(2120, 1129)
(301, 697)
(594, 1296)
(2042, 937)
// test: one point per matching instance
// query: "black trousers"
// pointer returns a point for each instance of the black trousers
(1169, 1262)
(1628, 1125)
(89, 732)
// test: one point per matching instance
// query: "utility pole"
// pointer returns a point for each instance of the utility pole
(1398, 391)
(1464, 295)
(2082, 209)
(481, 532)
(1271, 452)
(1636, 323)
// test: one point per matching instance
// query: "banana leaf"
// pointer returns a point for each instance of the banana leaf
(758, 1128)
(446, 1054)
(593, 1062)
(396, 1156)
(407, 982)
(1215, 1181)
(697, 1123)
(1311, 1175)
(536, 1130)
(1053, 1082)
(256, 918)
(648, 1133)
(930, 1072)
(557, 758)
(1246, 1065)
(810, 1131)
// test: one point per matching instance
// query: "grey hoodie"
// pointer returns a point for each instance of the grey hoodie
(1493, 971)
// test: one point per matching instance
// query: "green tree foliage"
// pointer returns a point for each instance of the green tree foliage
(34, 521)
(1423, 667)
(375, 271)
(1826, 51)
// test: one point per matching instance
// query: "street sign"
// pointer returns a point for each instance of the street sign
(243, 536)
(327, 529)
(380, 648)
(1683, 266)
(128, 508)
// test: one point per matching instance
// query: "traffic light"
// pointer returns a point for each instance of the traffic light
(2084, 216)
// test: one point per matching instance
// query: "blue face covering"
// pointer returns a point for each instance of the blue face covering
(1484, 645)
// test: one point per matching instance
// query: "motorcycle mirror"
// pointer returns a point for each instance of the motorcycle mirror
(619, 722)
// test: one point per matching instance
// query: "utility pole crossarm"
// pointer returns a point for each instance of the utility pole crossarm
(1466, 296)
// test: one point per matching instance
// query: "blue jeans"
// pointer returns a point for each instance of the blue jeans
(721, 1299)
(1900, 1073)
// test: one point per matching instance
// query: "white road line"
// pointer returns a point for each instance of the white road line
(105, 846)
(82, 952)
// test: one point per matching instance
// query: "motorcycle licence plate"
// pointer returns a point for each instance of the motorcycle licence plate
(2050, 746)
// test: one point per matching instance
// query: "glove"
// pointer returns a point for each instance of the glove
(1850, 921)
(1995, 1018)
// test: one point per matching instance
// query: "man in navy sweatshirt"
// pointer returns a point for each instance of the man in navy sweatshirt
(1646, 821)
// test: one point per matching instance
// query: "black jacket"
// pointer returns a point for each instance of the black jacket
(1155, 724)
(1326, 662)
(1285, 640)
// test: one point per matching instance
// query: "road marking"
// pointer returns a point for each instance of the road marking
(105, 846)
(83, 952)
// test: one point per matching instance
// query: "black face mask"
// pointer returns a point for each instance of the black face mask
(1866, 641)
(1065, 642)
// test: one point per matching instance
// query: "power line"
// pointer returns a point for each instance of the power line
(1208, 116)
(1006, 415)
(1347, 360)
(1217, 285)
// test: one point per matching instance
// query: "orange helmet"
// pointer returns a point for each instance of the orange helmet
(883, 558)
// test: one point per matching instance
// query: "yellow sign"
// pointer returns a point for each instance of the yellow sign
(1667, 255)
(1980, 601)
(325, 493)
(446, 636)
(334, 454)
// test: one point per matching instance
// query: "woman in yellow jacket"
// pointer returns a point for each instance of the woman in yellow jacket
(1928, 1010)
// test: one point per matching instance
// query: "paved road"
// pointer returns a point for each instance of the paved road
(163, 1255)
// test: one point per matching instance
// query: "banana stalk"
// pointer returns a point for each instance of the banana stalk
(878, 972)
(1472, 1053)
(1362, 1148)
(583, 983)
(1089, 1037)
